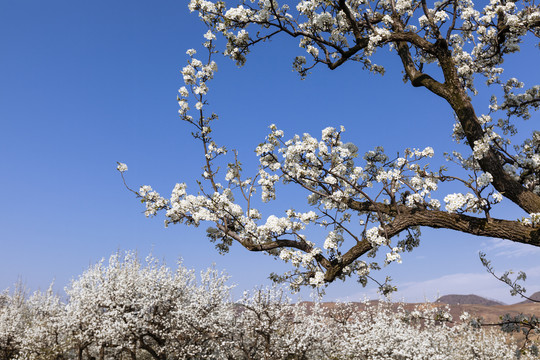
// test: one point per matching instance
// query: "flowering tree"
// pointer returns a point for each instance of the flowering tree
(133, 308)
(32, 328)
(13, 320)
(270, 326)
(44, 333)
(391, 198)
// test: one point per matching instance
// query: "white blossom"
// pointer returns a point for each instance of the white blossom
(484, 179)
(121, 167)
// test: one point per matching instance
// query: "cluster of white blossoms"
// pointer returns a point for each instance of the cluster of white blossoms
(467, 202)
(318, 279)
(122, 167)
(374, 237)
(154, 202)
(195, 76)
(143, 309)
(532, 220)
(333, 240)
(481, 147)
(484, 180)
(518, 104)
(393, 255)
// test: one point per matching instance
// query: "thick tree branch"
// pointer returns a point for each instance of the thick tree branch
(350, 20)
(361, 44)
(417, 77)
(402, 39)
(491, 161)
(453, 91)
(406, 218)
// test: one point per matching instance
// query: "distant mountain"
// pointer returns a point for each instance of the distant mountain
(535, 296)
(467, 299)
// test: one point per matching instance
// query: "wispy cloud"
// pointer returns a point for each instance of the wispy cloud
(482, 284)
(500, 247)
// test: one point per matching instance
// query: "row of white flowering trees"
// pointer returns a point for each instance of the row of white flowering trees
(130, 309)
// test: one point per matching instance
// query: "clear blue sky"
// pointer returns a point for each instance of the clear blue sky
(86, 84)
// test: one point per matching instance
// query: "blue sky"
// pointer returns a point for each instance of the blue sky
(86, 84)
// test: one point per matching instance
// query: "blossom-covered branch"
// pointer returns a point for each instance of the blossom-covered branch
(366, 202)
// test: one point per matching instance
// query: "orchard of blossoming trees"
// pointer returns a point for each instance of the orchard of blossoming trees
(446, 47)
(128, 309)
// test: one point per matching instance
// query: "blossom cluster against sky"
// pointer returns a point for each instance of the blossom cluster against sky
(84, 85)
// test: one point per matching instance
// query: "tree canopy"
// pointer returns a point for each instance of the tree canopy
(131, 309)
(367, 200)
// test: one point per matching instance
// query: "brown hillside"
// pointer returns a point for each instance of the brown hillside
(535, 297)
(467, 299)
